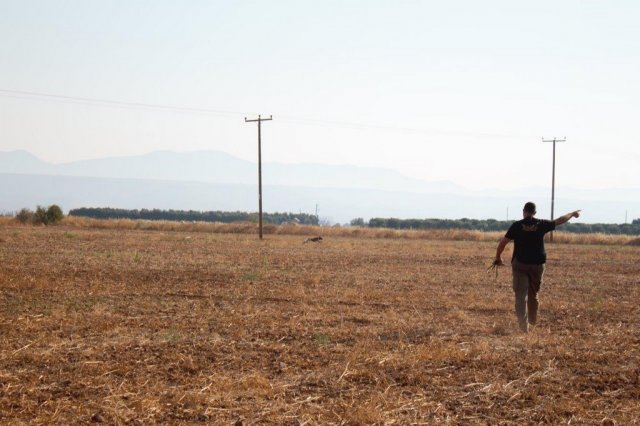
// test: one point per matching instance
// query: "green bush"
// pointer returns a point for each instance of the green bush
(24, 215)
(54, 214)
(40, 216)
(357, 222)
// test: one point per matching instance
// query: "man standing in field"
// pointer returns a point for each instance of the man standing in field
(529, 257)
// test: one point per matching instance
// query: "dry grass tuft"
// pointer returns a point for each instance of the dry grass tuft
(634, 242)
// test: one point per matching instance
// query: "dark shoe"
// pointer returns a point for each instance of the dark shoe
(524, 327)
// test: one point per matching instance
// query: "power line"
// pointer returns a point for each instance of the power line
(109, 102)
(21, 94)
(418, 130)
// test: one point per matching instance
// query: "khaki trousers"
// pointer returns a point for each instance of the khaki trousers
(527, 280)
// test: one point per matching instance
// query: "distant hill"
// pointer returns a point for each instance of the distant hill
(219, 167)
(213, 180)
(336, 204)
(23, 162)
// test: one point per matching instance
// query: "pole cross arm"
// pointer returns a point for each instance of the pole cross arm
(554, 140)
(258, 119)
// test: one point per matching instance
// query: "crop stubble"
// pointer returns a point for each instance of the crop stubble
(148, 326)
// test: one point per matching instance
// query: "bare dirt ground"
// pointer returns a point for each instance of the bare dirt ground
(129, 326)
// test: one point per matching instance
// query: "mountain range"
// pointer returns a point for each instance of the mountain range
(214, 180)
(220, 167)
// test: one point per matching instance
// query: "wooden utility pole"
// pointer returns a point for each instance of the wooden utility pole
(259, 120)
(553, 176)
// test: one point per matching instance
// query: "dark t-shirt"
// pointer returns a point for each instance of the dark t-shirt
(528, 238)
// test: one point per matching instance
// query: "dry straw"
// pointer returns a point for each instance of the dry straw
(336, 231)
(119, 326)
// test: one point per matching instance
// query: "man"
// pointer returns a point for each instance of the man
(529, 257)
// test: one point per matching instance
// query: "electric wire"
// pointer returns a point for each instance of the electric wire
(62, 98)
(21, 94)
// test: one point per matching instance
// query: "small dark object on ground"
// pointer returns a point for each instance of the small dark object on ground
(97, 418)
(313, 239)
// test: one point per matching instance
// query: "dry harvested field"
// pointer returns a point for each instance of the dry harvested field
(150, 326)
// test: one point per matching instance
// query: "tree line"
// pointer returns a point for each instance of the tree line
(632, 228)
(192, 215)
(54, 214)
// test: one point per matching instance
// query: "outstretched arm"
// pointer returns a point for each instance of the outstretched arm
(566, 217)
(501, 245)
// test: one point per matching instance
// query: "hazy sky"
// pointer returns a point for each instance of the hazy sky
(458, 90)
